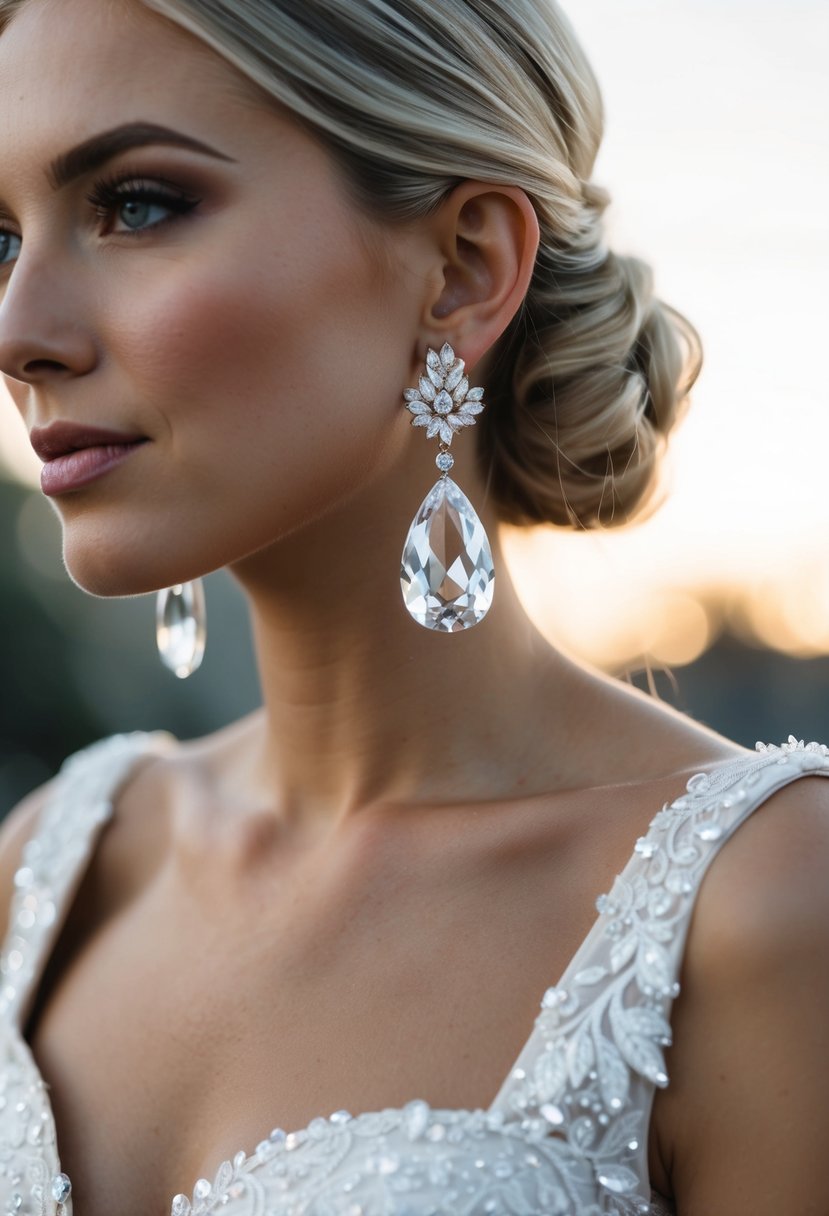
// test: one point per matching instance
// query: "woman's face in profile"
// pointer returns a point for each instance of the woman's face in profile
(208, 288)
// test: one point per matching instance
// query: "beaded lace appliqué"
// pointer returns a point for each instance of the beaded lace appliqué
(567, 1133)
(596, 1054)
(51, 866)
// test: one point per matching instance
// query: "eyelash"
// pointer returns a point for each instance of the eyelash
(109, 193)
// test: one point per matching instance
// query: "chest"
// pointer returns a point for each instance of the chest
(194, 1021)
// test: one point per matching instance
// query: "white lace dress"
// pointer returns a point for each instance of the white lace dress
(567, 1134)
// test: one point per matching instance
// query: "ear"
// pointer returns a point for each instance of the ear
(486, 239)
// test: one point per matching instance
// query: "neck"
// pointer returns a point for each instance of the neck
(364, 705)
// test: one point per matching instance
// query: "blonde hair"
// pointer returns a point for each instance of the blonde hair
(414, 96)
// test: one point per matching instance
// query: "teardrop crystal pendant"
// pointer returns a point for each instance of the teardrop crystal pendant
(181, 627)
(447, 575)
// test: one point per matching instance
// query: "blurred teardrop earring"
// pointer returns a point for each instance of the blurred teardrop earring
(181, 627)
(446, 572)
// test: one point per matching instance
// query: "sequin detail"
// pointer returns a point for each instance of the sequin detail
(414, 1160)
(51, 866)
(597, 1051)
(567, 1133)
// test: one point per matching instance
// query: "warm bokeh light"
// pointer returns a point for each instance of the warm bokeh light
(717, 159)
(716, 156)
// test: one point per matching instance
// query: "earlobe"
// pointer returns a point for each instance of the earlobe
(488, 238)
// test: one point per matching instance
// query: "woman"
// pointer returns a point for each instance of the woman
(234, 233)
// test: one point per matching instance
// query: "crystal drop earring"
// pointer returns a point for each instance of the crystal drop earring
(181, 627)
(446, 572)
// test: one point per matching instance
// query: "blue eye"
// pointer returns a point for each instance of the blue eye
(130, 206)
(137, 213)
(9, 247)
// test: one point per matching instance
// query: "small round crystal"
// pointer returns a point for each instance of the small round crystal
(61, 1188)
(445, 461)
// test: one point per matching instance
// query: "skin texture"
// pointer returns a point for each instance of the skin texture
(346, 864)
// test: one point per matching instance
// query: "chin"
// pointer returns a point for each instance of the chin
(101, 567)
(106, 581)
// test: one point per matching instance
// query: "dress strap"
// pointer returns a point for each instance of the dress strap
(55, 858)
(595, 1057)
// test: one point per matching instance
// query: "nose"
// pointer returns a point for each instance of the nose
(43, 334)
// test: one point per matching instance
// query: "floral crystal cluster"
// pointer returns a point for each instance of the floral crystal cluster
(443, 402)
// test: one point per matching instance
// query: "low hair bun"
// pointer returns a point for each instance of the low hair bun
(587, 384)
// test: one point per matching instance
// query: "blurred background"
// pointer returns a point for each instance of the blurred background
(717, 158)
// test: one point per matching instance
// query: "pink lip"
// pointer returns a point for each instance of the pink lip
(79, 468)
(76, 455)
(59, 438)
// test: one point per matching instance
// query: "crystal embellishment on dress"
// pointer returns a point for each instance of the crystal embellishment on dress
(568, 1131)
(447, 577)
(181, 627)
(61, 1188)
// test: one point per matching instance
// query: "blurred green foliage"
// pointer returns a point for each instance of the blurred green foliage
(74, 668)
(42, 715)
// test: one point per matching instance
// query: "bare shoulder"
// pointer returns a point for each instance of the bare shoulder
(17, 828)
(744, 1122)
(773, 872)
(622, 735)
(173, 799)
(129, 851)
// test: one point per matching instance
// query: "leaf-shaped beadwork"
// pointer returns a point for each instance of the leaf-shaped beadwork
(618, 1178)
(590, 975)
(551, 1073)
(613, 1076)
(622, 952)
(653, 968)
(640, 1019)
(580, 1056)
(640, 1052)
(618, 991)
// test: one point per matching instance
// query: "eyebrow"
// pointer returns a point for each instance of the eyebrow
(95, 152)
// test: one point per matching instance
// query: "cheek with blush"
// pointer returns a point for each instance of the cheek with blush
(272, 389)
(262, 372)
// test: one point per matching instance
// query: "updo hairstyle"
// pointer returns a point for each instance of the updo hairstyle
(414, 96)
